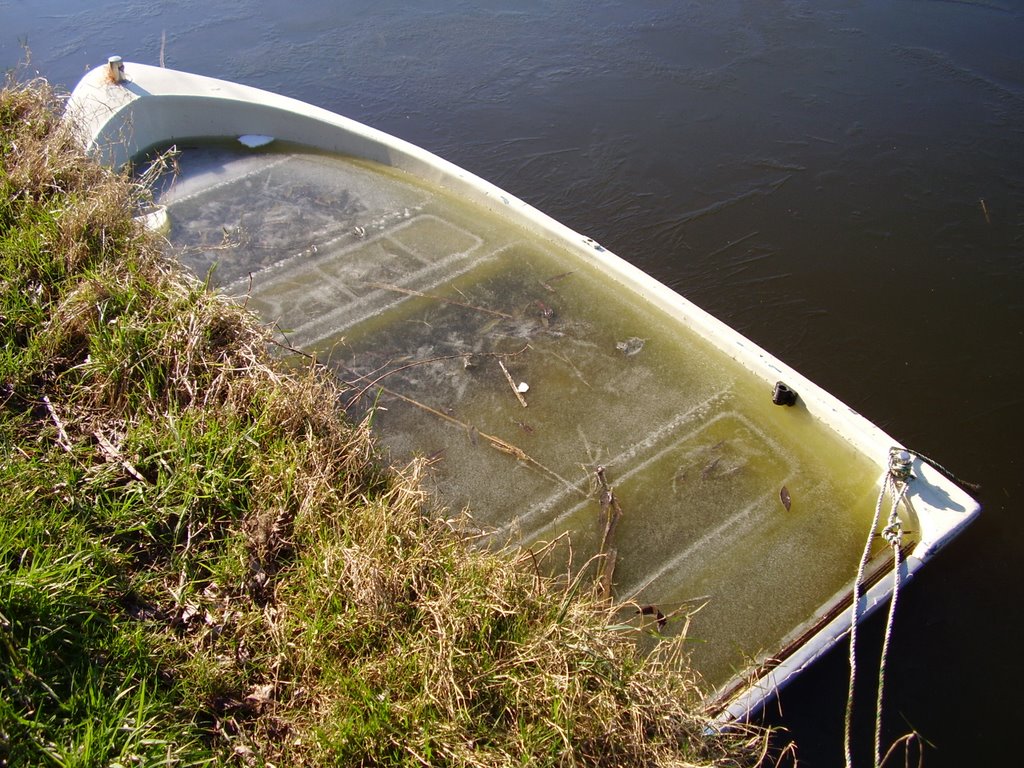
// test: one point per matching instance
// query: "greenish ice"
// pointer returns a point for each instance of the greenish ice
(520, 369)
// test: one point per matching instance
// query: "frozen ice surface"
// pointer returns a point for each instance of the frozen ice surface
(413, 298)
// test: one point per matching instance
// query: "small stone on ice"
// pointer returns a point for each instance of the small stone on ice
(630, 346)
(523, 387)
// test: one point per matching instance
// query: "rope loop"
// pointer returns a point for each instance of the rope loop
(894, 481)
(901, 463)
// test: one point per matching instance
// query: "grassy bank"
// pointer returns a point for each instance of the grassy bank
(202, 562)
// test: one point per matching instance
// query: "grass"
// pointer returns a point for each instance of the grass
(203, 563)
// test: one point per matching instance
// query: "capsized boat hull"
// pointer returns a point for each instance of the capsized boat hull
(153, 107)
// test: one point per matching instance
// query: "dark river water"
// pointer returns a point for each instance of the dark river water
(841, 180)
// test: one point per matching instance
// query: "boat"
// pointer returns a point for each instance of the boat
(560, 393)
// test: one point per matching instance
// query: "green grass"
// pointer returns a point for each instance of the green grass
(203, 563)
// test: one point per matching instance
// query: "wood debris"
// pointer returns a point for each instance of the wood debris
(515, 390)
(611, 512)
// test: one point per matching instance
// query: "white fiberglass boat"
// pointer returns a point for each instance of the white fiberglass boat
(558, 389)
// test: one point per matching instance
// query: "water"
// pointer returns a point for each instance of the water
(812, 173)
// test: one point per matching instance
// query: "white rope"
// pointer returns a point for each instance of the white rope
(893, 534)
(894, 479)
(848, 739)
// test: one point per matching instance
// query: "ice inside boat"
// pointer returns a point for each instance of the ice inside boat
(419, 300)
(521, 359)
